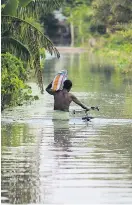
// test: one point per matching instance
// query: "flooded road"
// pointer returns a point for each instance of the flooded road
(71, 162)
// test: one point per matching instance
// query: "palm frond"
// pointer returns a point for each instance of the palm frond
(35, 7)
(19, 26)
(30, 36)
(11, 7)
(3, 4)
(16, 47)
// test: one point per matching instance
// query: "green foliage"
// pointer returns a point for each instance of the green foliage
(102, 12)
(29, 7)
(116, 16)
(117, 47)
(23, 3)
(108, 23)
(22, 35)
(111, 12)
(79, 14)
(126, 34)
(13, 88)
(10, 7)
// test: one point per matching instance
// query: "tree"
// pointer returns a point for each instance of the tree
(112, 13)
(68, 8)
(77, 11)
(23, 37)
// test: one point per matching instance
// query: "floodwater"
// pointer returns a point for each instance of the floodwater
(71, 162)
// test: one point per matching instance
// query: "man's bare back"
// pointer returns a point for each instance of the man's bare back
(63, 99)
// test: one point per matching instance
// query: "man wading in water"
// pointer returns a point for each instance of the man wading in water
(62, 98)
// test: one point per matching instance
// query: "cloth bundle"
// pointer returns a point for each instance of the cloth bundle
(58, 80)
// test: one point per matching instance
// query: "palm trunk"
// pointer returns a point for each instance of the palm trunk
(72, 32)
(81, 32)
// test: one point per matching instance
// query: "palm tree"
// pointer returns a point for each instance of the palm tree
(23, 37)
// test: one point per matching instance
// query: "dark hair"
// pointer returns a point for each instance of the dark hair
(67, 84)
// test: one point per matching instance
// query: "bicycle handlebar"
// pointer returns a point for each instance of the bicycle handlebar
(95, 108)
(92, 108)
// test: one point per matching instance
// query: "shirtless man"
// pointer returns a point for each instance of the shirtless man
(62, 98)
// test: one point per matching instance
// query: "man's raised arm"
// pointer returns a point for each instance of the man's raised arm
(49, 90)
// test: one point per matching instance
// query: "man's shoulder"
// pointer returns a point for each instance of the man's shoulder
(58, 92)
(71, 95)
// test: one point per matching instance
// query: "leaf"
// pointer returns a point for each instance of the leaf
(24, 3)
(35, 7)
(14, 45)
(11, 7)
(31, 33)
(23, 37)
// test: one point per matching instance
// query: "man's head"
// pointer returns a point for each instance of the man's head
(67, 85)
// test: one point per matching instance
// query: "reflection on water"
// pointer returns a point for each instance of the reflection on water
(62, 134)
(19, 164)
(47, 161)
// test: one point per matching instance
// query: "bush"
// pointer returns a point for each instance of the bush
(14, 90)
(118, 49)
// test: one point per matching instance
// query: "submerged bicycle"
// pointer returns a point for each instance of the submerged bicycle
(86, 118)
